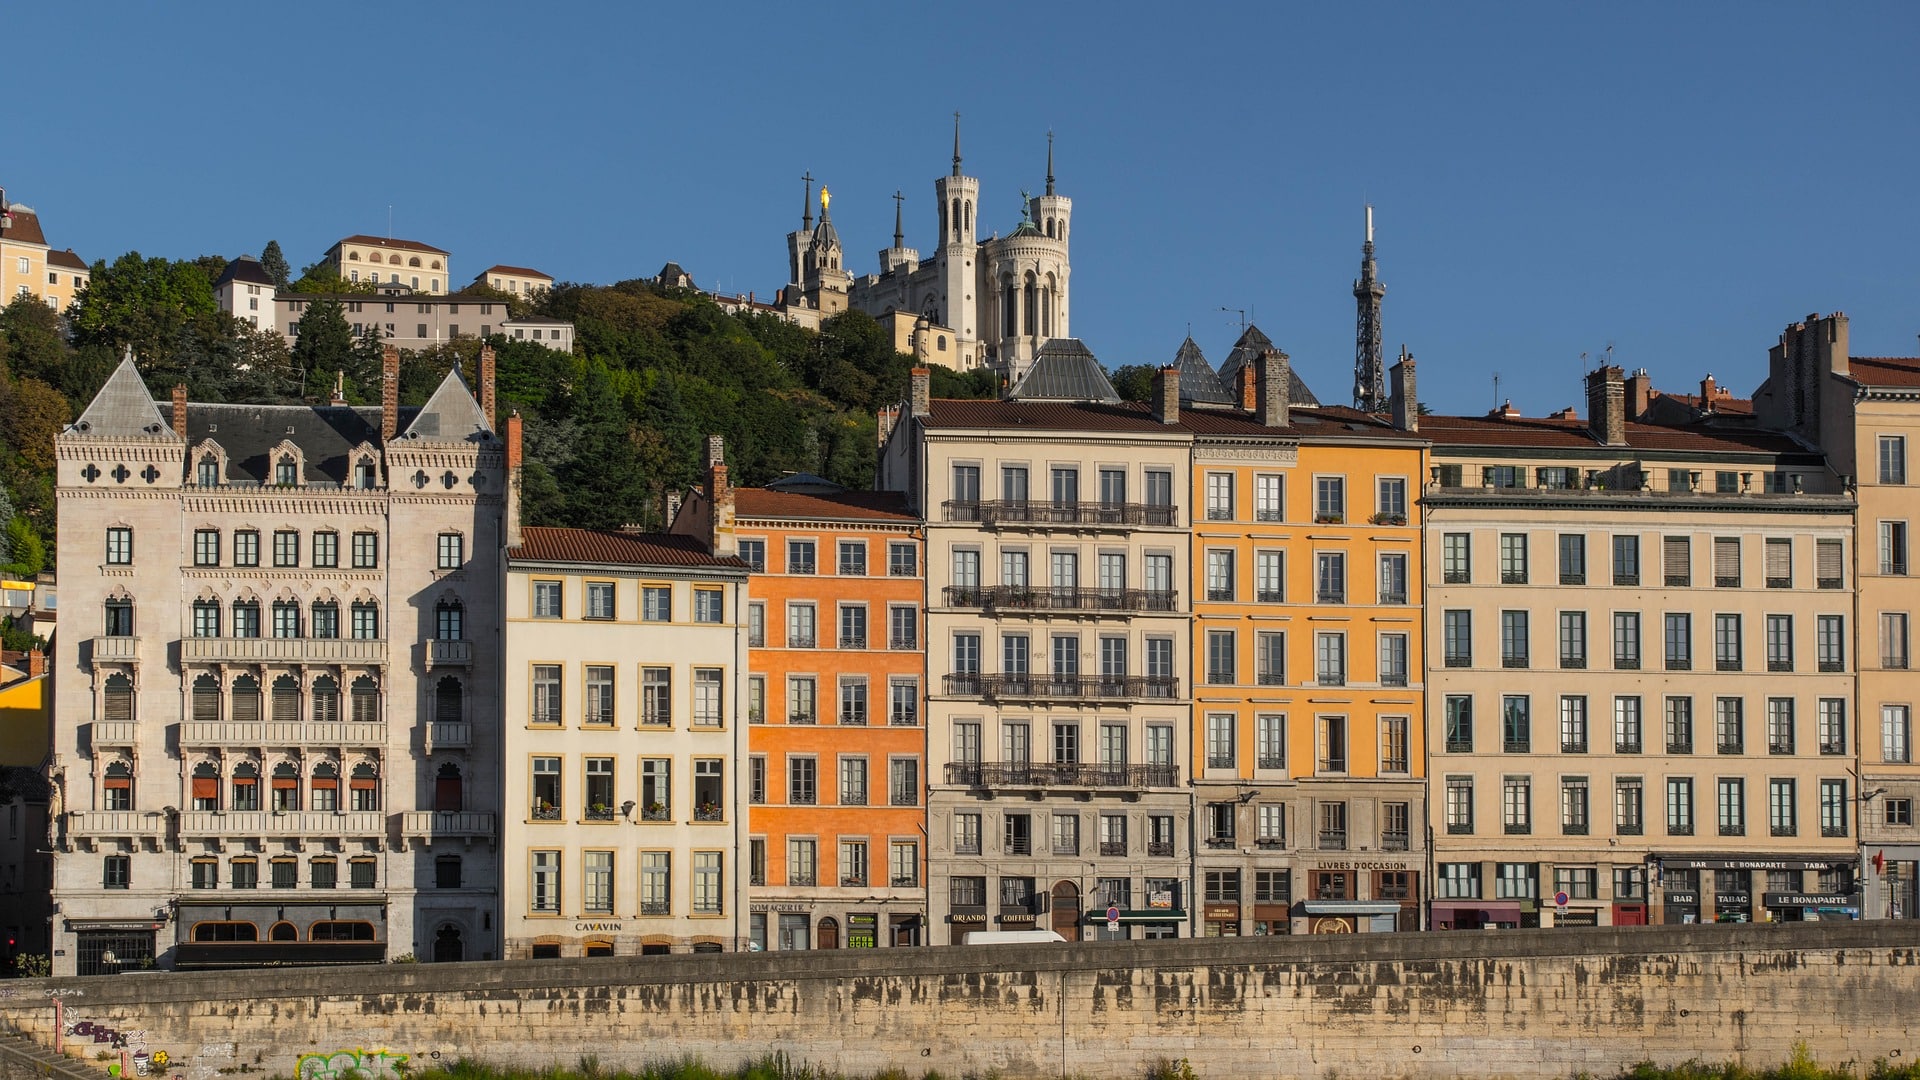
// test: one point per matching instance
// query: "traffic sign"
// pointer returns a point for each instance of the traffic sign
(1560, 898)
(1113, 916)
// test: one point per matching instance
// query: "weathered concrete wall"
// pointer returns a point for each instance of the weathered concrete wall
(1514, 1004)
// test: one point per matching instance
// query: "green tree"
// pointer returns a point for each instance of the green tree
(602, 480)
(324, 347)
(26, 555)
(275, 264)
(31, 414)
(322, 279)
(34, 345)
(1134, 382)
(140, 302)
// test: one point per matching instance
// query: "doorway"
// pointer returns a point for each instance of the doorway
(828, 934)
(447, 947)
(1066, 910)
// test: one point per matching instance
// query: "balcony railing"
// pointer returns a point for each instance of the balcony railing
(1065, 687)
(799, 639)
(213, 823)
(115, 823)
(1333, 839)
(449, 653)
(853, 641)
(903, 642)
(1111, 848)
(113, 733)
(118, 650)
(903, 718)
(1160, 849)
(433, 825)
(1020, 512)
(1393, 841)
(1005, 774)
(1058, 598)
(215, 650)
(281, 733)
(853, 718)
(449, 734)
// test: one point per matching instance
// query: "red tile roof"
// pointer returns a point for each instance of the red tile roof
(606, 548)
(1548, 434)
(67, 259)
(516, 271)
(1885, 370)
(382, 241)
(1327, 421)
(1049, 415)
(26, 227)
(1720, 403)
(834, 506)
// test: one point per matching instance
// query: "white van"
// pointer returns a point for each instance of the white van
(1010, 937)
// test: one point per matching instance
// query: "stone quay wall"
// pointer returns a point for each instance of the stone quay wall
(1520, 1004)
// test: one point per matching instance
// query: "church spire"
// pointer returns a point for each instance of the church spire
(956, 142)
(1049, 161)
(1369, 368)
(806, 204)
(899, 235)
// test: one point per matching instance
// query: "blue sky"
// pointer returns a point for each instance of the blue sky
(1679, 181)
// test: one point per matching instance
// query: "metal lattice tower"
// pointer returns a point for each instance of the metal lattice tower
(1369, 367)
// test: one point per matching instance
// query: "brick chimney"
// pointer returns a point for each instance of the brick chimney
(514, 462)
(1247, 387)
(1405, 405)
(180, 410)
(1607, 405)
(1276, 389)
(1166, 395)
(389, 393)
(921, 400)
(1709, 393)
(486, 385)
(1639, 395)
(36, 663)
(720, 538)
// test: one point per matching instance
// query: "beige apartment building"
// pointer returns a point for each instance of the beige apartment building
(518, 280)
(1057, 651)
(410, 320)
(386, 261)
(276, 718)
(1865, 413)
(29, 266)
(624, 744)
(1640, 671)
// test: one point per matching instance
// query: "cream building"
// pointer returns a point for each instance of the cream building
(386, 261)
(1059, 695)
(1865, 413)
(410, 320)
(1640, 673)
(518, 280)
(30, 267)
(276, 724)
(246, 291)
(626, 663)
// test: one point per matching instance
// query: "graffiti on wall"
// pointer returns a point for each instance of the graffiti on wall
(351, 1065)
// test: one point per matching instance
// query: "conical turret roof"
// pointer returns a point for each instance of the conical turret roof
(1198, 383)
(123, 408)
(1248, 350)
(1064, 370)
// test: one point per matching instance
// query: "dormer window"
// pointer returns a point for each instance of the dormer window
(285, 472)
(363, 475)
(207, 474)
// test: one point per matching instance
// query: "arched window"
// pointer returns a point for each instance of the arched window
(941, 342)
(117, 617)
(447, 706)
(394, 259)
(447, 790)
(118, 700)
(325, 788)
(414, 261)
(366, 701)
(286, 618)
(118, 786)
(284, 931)
(246, 787)
(956, 219)
(363, 475)
(449, 618)
(447, 948)
(207, 472)
(246, 700)
(353, 256)
(286, 699)
(284, 471)
(1009, 314)
(206, 618)
(246, 618)
(206, 787)
(286, 787)
(366, 620)
(326, 619)
(436, 265)
(206, 699)
(363, 788)
(326, 700)
(1030, 307)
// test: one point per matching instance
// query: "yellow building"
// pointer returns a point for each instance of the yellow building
(420, 267)
(26, 867)
(1308, 695)
(29, 267)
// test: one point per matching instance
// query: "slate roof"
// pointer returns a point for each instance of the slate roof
(1549, 434)
(841, 505)
(1248, 350)
(450, 415)
(382, 241)
(67, 259)
(123, 408)
(1198, 383)
(1064, 370)
(608, 548)
(1045, 415)
(247, 269)
(26, 227)
(324, 433)
(671, 273)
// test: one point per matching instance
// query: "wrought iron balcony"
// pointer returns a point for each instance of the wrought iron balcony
(1160, 849)
(1017, 598)
(1012, 774)
(1018, 513)
(1065, 687)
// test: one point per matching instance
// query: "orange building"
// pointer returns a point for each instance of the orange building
(836, 768)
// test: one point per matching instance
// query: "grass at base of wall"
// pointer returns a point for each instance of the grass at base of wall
(1801, 1066)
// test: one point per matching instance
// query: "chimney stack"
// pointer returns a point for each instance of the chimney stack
(514, 462)
(389, 393)
(884, 419)
(1247, 387)
(180, 410)
(339, 388)
(1607, 405)
(720, 539)
(1405, 405)
(486, 385)
(1639, 395)
(1166, 395)
(1276, 389)
(921, 403)
(1708, 393)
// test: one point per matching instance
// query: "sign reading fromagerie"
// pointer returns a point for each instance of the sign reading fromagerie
(781, 907)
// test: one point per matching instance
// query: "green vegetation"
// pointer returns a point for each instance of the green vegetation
(771, 1067)
(1801, 1066)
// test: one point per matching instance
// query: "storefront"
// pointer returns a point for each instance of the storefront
(1350, 916)
(109, 947)
(1149, 924)
(1811, 907)
(1475, 915)
(1221, 920)
(1724, 888)
(1682, 906)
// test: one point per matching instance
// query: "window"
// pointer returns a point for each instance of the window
(1573, 639)
(853, 626)
(1779, 643)
(802, 699)
(1516, 805)
(1830, 639)
(1899, 812)
(1676, 557)
(1330, 659)
(246, 548)
(853, 558)
(1831, 725)
(326, 550)
(1726, 562)
(1679, 806)
(1220, 657)
(1679, 724)
(800, 626)
(1829, 566)
(802, 781)
(1729, 725)
(656, 603)
(1459, 720)
(966, 834)
(1573, 724)
(1833, 808)
(1896, 734)
(1457, 638)
(1779, 725)
(1219, 496)
(117, 620)
(754, 554)
(366, 620)
(1778, 563)
(1393, 578)
(1332, 744)
(1516, 724)
(1513, 639)
(656, 882)
(1460, 880)
(902, 561)
(1066, 834)
(1893, 459)
(1626, 560)
(1679, 641)
(1573, 559)
(1782, 813)
(1456, 559)
(1065, 485)
(246, 619)
(1726, 642)
(366, 551)
(708, 891)
(1269, 498)
(1329, 499)
(1513, 558)
(452, 551)
(1391, 500)
(206, 547)
(1627, 733)
(119, 546)
(1733, 805)
(596, 885)
(1220, 575)
(546, 694)
(1220, 740)
(1393, 744)
(853, 863)
(600, 602)
(1393, 659)
(1517, 881)
(598, 707)
(1270, 741)
(1893, 547)
(1330, 577)
(286, 619)
(1573, 805)
(1333, 825)
(1893, 640)
(1626, 640)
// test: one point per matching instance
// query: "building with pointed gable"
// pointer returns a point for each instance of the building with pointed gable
(277, 719)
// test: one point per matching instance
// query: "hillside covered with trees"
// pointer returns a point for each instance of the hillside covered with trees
(610, 428)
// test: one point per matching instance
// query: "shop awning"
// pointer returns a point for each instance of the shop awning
(1350, 907)
(1486, 913)
(1142, 915)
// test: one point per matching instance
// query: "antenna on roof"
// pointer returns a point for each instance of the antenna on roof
(1242, 312)
(389, 221)
(1496, 389)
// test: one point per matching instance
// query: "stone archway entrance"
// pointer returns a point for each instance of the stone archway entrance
(1066, 910)
(447, 946)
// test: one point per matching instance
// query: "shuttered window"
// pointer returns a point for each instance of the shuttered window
(1780, 563)
(1827, 564)
(206, 699)
(1676, 558)
(246, 700)
(119, 699)
(206, 787)
(286, 699)
(1726, 562)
